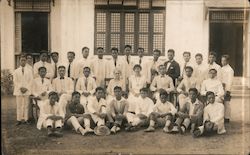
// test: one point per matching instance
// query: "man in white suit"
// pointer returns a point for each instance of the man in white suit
(54, 63)
(63, 84)
(22, 78)
(43, 63)
(71, 66)
(99, 67)
(84, 62)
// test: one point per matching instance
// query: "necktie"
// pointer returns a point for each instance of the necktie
(42, 80)
(128, 60)
(115, 62)
(55, 71)
(23, 70)
(69, 70)
(140, 61)
(86, 83)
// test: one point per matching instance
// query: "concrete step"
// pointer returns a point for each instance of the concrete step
(239, 87)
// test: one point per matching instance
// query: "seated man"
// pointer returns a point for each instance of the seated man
(190, 114)
(63, 84)
(86, 85)
(188, 82)
(161, 81)
(213, 118)
(97, 107)
(163, 113)
(144, 107)
(214, 85)
(118, 110)
(51, 116)
(75, 115)
(41, 86)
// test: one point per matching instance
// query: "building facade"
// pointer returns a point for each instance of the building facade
(198, 26)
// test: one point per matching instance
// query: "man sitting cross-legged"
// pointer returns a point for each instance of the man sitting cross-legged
(75, 115)
(163, 113)
(190, 114)
(118, 110)
(51, 115)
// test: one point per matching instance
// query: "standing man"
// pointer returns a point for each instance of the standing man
(22, 78)
(141, 60)
(129, 64)
(54, 63)
(172, 67)
(227, 75)
(84, 62)
(99, 67)
(186, 57)
(71, 66)
(43, 63)
(213, 65)
(200, 69)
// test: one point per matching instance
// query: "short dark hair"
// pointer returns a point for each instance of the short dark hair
(99, 48)
(213, 70)
(137, 66)
(23, 56)
(171, 51)
(40, 68)
(209, 93)
(164, 93)
(118, 87)
(129, 46)
(75, 93)
(157, 50)
(144, 89)
(44, 52)
(186, 52)
(213, 53)
(86, 67)
(53, 93)
(85, 47)
(199, 55)
(189, 67)
(29, 54)
(226, 56)
(193, 90)
(140, 48)
(99, 88)
(71, 52)
(114, 49)
(61, 66)
(55, 53)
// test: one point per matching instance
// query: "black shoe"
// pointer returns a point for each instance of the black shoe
(226, 120)
(18, 123)
(58, 132)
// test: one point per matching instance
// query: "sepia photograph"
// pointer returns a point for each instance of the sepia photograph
(125, 77)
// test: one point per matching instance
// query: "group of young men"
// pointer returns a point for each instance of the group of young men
(125, 92)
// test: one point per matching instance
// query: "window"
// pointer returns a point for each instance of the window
(139, 23)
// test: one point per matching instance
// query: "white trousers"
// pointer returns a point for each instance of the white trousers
(22, 108)
(98, 121)
(78, 122)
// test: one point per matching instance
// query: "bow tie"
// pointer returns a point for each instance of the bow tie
(61, 78)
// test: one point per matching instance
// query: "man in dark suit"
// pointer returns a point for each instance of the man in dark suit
(172, 67)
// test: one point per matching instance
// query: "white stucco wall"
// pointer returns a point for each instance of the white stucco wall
(72, 26)
(7, 35)
(186, 28)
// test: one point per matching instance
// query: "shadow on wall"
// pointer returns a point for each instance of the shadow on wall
(7, 86)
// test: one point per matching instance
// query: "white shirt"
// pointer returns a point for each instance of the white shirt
(152, 65)
(215, 113)
(187, 83)
(213, 85)
(112, 84)
(162, 82)
(73, 69)
(144, 106)
(99, 70)
(182, 67)
(192, 105)
(22, 79)
(200, 72)
(65, 85)
(143, 64)
(136, 83)
(111, 67)
(166, 107)
(83, 63)
(38, 87)
(47, 65)
(91, 85)
(227, 75)
(97, 106)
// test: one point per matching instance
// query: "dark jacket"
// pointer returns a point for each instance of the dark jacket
(174, 69)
